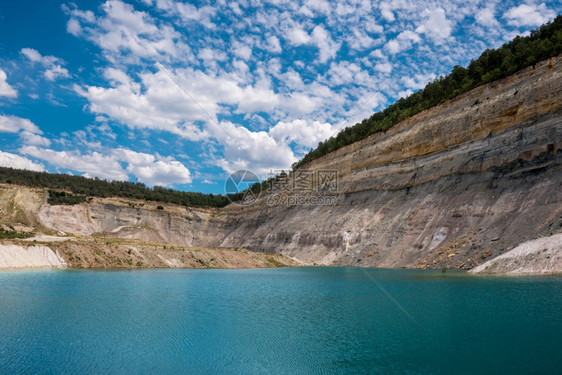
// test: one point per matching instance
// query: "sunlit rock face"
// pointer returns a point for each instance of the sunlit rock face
(452, 186)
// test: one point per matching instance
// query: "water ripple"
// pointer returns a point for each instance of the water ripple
(283, 321)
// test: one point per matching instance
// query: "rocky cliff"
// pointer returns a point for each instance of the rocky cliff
(452, 186)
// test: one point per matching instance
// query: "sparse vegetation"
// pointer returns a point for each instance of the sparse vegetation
(272, 262)
(12, 234)
(62, 197)
(492, 65)
(67, 189)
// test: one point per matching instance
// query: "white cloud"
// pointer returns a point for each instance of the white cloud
(158, 104)
(212, 55)
(5, 88)
(52, 64)
(273, 44)
(358, 40)
(29, 133)
(304, 133)
(328, 48)
(296, 35)
(279, 64)
(320, 6)
(152, 171)
(73, 27)
(386, 12)
(55, 72)
(34, 56)
(528, 15)
(14, 124)
(147, 168)
(161, 106)
(402, 42)
(256, 151)
(436, 25)
(344, 73)
(19, 162)
(242, 51)
(31, 138)
(385, 67)
(405, 93)
(186, 12)
(486, 16)
(95, 164)
(418, 81)
(128, 35)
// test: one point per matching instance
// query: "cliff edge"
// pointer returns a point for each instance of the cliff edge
(452, 186)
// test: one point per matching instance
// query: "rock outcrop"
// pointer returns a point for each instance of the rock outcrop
(14, 256)
(452, 186)
(540, 256)
(449, 187)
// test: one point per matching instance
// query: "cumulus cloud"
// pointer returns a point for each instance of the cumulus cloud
(5, 88)
(185, 12)
(418, 81)
(94, 164)
(29, 133)
(296, 35)
(124, 33)
(528, 15)
(152, 171)
(242, 51)
(160, 106)
(344, 73)
(19, 162)
(328, 48)
(402, 42)
(291, 68)
(384, 67)
(53, 65)
(158, 103)
(302, 132)
(436, 25)
(32, 138)
(386, 12)
(116, 164)
(486, 16)
(14, 124)
(273, 44)
(257, 151)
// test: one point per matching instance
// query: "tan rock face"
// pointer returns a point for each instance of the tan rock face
(540, 256)
(174, 225)
(13, 256)
(452, 186)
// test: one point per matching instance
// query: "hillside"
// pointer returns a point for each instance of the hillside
(108, 233)
(492, 65)
(452, 186)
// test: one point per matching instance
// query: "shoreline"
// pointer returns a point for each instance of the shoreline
(126, 254)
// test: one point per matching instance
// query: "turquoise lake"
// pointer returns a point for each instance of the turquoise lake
(278, 321)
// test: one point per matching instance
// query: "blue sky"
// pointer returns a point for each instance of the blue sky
(180, 94)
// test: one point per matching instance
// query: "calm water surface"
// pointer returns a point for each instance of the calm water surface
(280, 321)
